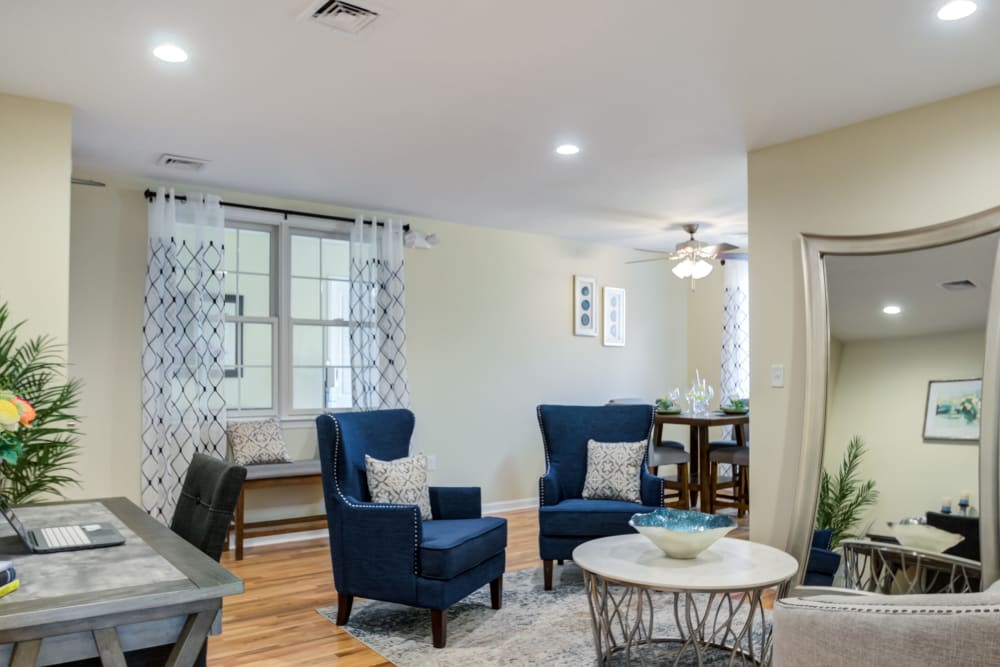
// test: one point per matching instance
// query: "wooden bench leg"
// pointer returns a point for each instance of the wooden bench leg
(239, 525)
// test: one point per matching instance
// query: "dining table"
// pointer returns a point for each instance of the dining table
(154, 590)
(698, 444)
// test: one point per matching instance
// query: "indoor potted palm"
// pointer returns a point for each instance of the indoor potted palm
(843, 497)
(38, 422)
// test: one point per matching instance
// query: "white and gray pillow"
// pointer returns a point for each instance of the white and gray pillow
(400, 482)
(614, 470)
(257, 441)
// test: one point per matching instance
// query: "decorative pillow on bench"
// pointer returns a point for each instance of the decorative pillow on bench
(400, 482)
(614, 470)
(257, 441)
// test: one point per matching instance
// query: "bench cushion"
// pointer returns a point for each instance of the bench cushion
(275, 470)
(576, 517)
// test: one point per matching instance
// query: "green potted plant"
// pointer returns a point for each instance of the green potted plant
(38, 422)
(843, 497)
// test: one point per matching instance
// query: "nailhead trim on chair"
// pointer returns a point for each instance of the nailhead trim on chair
(372, 506)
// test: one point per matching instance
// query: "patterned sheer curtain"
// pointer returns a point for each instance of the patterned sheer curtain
(735, 379)
(183, 407)
(378, 316)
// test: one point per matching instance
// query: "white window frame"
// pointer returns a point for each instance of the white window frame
(282, 226)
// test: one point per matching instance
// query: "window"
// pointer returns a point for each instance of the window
(287, 319)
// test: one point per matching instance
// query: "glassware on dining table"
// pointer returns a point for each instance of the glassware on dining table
(700, 395)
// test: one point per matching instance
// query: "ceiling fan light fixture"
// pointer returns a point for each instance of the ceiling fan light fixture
(683, 269)
(700, 269)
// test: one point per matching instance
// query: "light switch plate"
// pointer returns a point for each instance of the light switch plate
(777, 375)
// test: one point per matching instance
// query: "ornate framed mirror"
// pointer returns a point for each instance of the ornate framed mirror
(846, 277)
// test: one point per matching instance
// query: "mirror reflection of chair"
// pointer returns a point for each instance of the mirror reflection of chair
(676, 492)
(894, 569)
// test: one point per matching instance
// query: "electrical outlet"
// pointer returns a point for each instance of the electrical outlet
(432, 462)
(777, 375)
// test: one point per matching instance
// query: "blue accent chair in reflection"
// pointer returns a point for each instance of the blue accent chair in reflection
(566, 519)
(823, 563)
(390, 552)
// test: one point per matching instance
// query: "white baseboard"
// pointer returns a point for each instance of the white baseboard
(510, 505)
(488, 508)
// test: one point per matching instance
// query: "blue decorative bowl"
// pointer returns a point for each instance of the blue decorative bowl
(682, 533)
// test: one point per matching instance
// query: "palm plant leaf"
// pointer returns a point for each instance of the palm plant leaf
(842, 496)
(34, 370)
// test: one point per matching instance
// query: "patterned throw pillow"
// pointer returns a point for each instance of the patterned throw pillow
(257, 441)
(613, 470)
(400, 482)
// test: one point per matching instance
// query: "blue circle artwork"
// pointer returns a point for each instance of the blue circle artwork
(614, 301)
(585, 304)
(614, 331)
(585, 319)
(585, 290)
(613, 316)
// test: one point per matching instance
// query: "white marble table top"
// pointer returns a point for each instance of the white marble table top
(727, 565)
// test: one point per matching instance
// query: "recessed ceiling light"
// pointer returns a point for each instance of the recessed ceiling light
(892, 310)
(567, 149)
(170, 53)
(956, 9)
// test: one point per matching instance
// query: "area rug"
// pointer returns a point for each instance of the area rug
(534, 627)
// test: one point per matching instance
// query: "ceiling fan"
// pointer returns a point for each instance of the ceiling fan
(693, 255)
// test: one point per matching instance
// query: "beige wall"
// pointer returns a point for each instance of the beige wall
(489, 334)
(910, 169)
(35, 166)
(880, 395)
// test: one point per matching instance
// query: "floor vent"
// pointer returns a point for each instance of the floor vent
(957, 285)
(340, 15)
(182, 162)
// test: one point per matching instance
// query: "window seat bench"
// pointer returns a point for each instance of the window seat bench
(277, 474)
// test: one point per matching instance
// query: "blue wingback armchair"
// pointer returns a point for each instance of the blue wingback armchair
(565, 518)
(390, 552)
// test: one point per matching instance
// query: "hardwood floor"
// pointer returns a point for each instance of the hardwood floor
(274, 623)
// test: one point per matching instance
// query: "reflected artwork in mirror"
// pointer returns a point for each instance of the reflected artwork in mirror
(891, 315)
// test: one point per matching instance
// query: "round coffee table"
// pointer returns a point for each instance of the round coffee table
(716, 596)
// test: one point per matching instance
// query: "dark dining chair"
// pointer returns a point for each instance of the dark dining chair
(207, 502)
(205, 509)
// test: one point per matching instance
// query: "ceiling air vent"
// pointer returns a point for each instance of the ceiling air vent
(958, 285)
(181, 162)
(341, 15)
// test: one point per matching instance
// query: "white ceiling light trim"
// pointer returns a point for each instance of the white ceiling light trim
(892, 310)
(956, 9)
(567, 149)
(170, 53)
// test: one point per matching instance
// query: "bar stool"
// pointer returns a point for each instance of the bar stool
(670, 453)
(739, 459)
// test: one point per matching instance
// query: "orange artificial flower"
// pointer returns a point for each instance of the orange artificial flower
(26, 411)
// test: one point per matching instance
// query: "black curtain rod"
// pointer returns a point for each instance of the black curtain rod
(150, 195)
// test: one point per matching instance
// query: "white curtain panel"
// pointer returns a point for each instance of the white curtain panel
(378, 315)
(183, 405)
(735, 333)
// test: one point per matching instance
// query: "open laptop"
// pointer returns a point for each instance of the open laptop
(62, 538)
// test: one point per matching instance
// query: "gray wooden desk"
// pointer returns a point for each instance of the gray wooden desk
(155, 589)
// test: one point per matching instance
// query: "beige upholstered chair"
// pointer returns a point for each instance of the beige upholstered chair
(888, 630)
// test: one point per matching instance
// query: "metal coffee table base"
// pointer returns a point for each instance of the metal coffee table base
(622, 622)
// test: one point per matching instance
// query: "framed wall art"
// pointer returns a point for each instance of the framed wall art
(952, 411)
(614, 316)
(584, 306)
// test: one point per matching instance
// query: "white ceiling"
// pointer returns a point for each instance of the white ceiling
(451, 109)
(860, 286)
